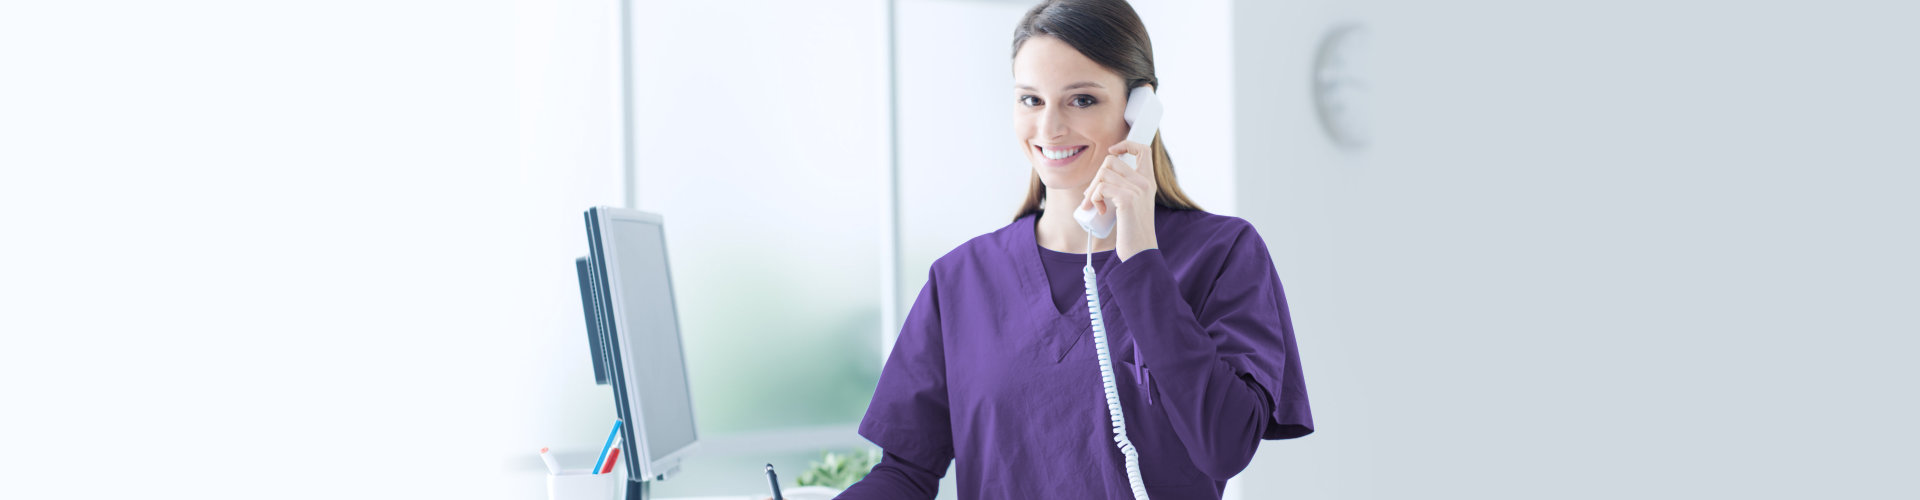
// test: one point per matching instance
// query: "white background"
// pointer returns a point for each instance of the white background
(1625, 249)
(298, 250)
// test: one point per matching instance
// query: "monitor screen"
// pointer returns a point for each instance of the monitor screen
(656, 375)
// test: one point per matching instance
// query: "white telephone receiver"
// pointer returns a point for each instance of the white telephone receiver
(1143, 114)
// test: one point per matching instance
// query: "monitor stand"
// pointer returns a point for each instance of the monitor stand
(637, 490)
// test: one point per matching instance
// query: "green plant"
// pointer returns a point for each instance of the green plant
(839, 471)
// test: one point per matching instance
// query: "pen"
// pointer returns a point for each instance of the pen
(619, 442)
(604, 449)
(553, 466)
(773, 481)
(611, 458)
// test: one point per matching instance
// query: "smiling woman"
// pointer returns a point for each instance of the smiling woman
(1064, 42)
(996, 370)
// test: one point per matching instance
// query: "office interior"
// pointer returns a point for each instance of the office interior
(1574, 249)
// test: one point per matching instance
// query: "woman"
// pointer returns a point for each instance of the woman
(995, 366)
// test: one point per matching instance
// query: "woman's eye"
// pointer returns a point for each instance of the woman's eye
(1083, 101)
(1029, 101)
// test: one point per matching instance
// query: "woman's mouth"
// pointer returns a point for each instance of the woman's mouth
(1060, 156)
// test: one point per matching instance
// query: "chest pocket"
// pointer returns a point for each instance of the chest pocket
(1169, 469)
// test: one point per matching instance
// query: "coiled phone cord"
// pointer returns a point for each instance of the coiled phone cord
(1107, 379)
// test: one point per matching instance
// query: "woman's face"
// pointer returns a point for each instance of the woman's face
(1067, 110)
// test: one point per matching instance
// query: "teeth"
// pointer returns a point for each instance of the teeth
(1058, 154)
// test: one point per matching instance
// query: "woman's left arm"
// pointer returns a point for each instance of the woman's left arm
(1227, 371)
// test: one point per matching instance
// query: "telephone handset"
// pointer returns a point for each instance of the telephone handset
(1143, 114)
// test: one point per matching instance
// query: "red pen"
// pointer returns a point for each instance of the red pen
(612, 457)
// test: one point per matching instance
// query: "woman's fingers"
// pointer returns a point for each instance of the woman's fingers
(1112, 192)
(1118, 171)
(1120, 174)
(1087, 200)
(1144, 176)
(1141, 173)
(1097, 175)
(1124, 147)
(1114, 183)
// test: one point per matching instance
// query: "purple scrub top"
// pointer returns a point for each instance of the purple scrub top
(988, 373)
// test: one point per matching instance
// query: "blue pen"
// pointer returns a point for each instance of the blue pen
(608, 447)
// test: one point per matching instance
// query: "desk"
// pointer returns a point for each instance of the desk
(801, 493)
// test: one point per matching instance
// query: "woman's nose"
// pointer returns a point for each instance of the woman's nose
(1052, 123)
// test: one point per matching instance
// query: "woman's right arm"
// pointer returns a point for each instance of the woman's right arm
(908, 417)
(895, 477)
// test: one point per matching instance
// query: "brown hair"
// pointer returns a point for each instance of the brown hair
(1111, 34)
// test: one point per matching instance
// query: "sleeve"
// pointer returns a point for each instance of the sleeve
(908, 417)
(1226, 370)
(895, 477)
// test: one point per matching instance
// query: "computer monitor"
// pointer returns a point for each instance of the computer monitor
(628, 297)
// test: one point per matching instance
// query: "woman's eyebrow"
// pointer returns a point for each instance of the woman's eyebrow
(1071, 86)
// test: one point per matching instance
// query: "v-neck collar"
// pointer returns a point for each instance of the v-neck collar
(1025, 246)
(1062, 328)
(1050, 260)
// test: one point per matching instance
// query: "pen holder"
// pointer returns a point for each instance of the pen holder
(583, 484)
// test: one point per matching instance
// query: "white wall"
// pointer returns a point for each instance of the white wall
(1600, 250)
(761, 138)
(961, 173)
(298, 251)
(1193, 56)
